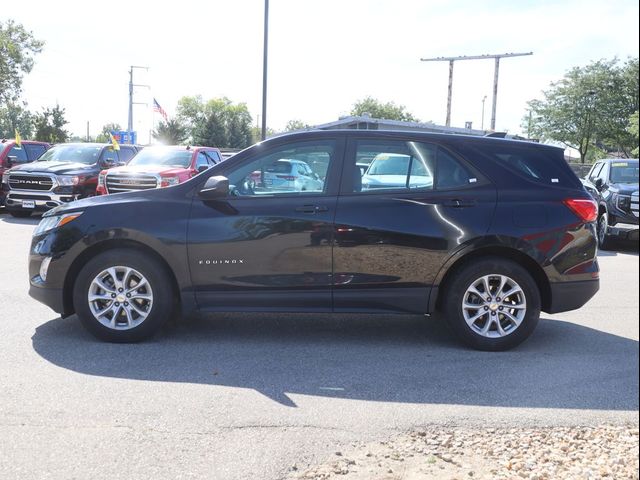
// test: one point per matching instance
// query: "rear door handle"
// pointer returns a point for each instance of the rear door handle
(311, 209)
(457, 203)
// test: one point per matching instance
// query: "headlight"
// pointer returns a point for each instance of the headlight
(169, 181)
(68, 179)
(102, 178)
(623, 202)
(49, 223)
(5, 179)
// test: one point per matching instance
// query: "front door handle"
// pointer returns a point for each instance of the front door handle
(457, 203)
(311, 209)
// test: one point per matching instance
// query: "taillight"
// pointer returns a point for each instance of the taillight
(288, 178)
(586, 210)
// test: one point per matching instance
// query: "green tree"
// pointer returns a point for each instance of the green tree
(377, 109)
(632, 128)
(589, 108)
(14, 116)
(103, 136)
(171, 132)
(50, 124)
(218, 122)
(17, 48)
(295, 124)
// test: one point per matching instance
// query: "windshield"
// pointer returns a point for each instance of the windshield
(72, 154)
(624, 172)
(163, 156)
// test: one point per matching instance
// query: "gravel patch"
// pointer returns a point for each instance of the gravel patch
(554, 453)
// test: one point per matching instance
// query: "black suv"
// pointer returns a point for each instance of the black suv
(66, 172)
(613, 183)
(489, 231)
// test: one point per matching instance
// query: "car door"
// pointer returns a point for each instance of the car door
(391, 240)
(263, 248)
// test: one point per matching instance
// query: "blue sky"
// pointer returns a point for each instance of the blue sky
(324, 55)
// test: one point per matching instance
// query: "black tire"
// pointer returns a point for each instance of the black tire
(604, 240)
(162, 306)
(465, 277)
(20, 213)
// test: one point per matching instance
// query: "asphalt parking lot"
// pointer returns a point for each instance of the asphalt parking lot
(248, 396)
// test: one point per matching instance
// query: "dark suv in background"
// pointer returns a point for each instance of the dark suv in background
(613, 183)
(12, 155)
(66, 172)
(489, 231)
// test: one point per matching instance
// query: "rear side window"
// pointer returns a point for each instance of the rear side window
(541, 165)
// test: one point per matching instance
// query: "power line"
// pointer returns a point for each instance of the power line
(496, 58)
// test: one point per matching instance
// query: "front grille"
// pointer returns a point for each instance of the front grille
(22, 196)
(30, 182)
(634, 204)
(126, 182)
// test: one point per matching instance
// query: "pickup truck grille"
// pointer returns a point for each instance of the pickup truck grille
(126, 182)
(42, 183)
(634, 204)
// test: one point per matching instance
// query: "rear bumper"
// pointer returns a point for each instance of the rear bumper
(568, 296)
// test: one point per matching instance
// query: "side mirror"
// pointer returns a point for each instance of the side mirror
(10, 161)
(599, 184)
(202, 168)
(215, 187)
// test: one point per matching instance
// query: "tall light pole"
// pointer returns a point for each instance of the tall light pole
(495, 78)
(263, 133)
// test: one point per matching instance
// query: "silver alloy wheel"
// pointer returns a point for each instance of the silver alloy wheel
(494, 306)
(120, 298)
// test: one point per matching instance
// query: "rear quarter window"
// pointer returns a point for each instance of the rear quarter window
(541, 165)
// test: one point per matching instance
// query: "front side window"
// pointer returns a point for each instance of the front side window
(109, 155)
(34, 151)
(202, 162)
(595, 171)
(279, 172)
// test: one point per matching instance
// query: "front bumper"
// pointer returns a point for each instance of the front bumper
(42, 200)
(51, 297)
(625, 231)
(566, 296)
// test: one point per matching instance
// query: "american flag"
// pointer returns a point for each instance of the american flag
(159, 109)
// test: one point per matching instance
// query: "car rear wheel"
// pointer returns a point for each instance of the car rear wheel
(123, 295)
(20, 213)
(492, 304)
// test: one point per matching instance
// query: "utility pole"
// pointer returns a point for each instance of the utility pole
(496, 57)
(484, 99)
(131, 102)
(263, 134)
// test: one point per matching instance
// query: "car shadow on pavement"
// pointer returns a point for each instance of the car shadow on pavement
(406, 359)
(624, 247)
(20, 221)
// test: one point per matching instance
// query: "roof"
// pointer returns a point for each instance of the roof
(344, 122)
(12, 140)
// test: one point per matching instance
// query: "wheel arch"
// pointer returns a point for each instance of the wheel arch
(104, 246)
(500, 251)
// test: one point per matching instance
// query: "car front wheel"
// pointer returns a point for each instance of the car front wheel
(123, 295)
(603, 231)
(492, 304)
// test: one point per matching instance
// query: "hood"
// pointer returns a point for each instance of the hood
(624, 188)
(129, 198)
(155, 169)
(56, 167)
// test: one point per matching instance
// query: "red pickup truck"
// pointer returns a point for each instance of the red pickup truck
(156, 167)
(12, 155)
